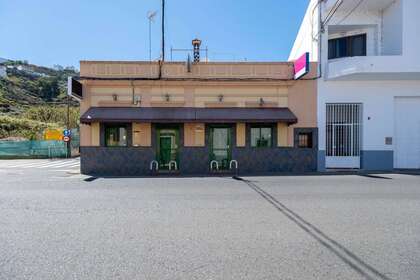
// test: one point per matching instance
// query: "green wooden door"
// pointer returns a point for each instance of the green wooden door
(167, 148)
(220, 149)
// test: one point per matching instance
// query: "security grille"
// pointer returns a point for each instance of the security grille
(344, 123)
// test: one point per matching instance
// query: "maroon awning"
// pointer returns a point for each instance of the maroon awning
(188, 114)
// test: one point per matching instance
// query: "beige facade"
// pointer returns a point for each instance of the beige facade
(134, 84)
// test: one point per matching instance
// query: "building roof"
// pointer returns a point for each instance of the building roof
(114, 70)
(188, 114)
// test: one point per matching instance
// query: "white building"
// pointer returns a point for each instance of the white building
(3, 72)
(369, 85)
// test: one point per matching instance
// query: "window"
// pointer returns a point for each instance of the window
(347, 46)
(261, 137)
(115, 136)
(305, 140)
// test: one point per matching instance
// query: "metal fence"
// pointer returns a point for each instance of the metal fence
(39, 148)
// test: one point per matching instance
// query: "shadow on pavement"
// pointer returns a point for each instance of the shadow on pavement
(348, 257)
(90, 179)
(375, 176)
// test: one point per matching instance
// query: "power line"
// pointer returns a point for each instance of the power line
(349, 14)
(163, 30)
(332, 12)
(162, 60)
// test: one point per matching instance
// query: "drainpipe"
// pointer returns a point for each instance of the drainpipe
(321, 31)
(132, 92)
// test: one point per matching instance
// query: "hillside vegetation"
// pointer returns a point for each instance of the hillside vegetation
(32, 123)
(33, 98)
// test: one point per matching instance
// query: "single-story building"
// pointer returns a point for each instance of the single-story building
(145, 118)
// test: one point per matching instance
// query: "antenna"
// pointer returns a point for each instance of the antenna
(151, 16)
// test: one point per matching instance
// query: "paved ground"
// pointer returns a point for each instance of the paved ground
(61, 225)
(57, 164)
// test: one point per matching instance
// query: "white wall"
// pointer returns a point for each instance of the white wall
(411, 24)
(391, 36)
(387, 20)
(308, 33)
(392, 29)
(396, 36)
(3, 72)
(378, 105)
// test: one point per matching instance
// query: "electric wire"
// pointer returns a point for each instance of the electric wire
(352, 11)
(334, 10)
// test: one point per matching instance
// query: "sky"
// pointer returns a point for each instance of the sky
(49, 32)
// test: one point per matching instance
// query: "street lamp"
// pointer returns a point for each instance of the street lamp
(151, 16)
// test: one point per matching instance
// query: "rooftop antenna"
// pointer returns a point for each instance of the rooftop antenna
(151, 16)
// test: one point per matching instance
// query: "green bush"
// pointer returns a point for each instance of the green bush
(25, 128)
(53, 114)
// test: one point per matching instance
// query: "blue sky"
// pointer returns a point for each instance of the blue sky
(48, 32)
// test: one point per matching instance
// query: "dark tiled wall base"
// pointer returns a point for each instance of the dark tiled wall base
(116, 161)
(194, 160)
(377, 160)
(275, 160)
(133, 161)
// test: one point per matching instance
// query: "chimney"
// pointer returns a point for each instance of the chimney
(196, 45)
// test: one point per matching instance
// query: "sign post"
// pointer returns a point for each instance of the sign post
(74, 90)
(67, 140)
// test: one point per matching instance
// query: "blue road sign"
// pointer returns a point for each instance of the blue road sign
(67, 133)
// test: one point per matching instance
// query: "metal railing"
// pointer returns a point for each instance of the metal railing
(154, 163)
(232, 162)
(172, 162)
(212, 164)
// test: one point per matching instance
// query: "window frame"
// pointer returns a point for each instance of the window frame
(310, 142)
(117, 126)
(349, 52)
(260, 127)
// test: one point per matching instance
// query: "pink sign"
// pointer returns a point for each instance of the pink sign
(302, 66)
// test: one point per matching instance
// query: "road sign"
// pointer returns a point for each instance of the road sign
(66, 139)
(53, 134)
(67, 132)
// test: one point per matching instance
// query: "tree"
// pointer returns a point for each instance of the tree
(48, 87)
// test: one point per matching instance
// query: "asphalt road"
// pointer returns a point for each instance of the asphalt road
(60, 225)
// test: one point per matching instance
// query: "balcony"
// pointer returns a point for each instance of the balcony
(373, 68)
(369, 45)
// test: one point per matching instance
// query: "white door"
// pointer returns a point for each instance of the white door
(343, 135)
(407, 132)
